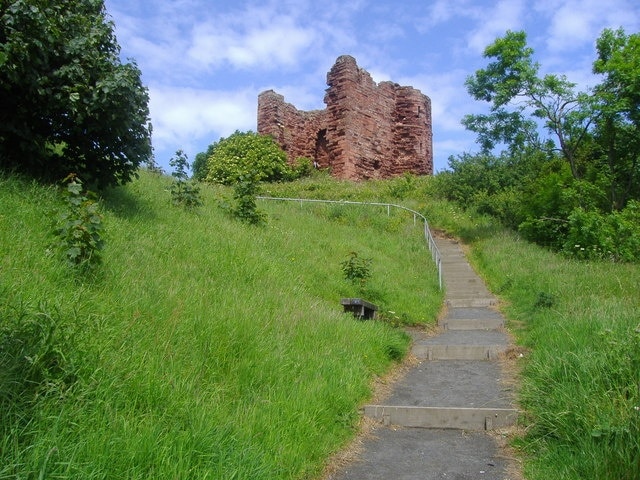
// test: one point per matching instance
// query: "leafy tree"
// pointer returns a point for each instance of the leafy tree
(581, 197)
(520, 98)
(200, 167)
(245, 154)
(67, 102)
(79, 229)
(617, 99)
(183, 192)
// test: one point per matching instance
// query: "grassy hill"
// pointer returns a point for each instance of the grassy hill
(201, 347)
(206, 348)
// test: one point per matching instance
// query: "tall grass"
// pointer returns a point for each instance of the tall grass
(580, 324)
(203, 347)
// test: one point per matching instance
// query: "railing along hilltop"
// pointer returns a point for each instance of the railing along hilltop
(433, 248)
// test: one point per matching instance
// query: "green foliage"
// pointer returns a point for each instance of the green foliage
(244, 206)
(79, 228)
(356, 269)
(303, 167)
(247, 153)
(183, 192)
(568, 200)
(403, 186)
(199, 167)
(67, 103)
(37, 361)
(593, 235)
(513, 74)
(617, 127)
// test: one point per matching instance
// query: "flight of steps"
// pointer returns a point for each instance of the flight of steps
(459, 382)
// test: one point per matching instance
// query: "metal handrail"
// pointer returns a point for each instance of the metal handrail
(433, 248)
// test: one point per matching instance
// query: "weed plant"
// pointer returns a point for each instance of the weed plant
(206, 348)
(184, 192)
(79, 227)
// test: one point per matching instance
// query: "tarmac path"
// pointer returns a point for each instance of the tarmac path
(449, 414)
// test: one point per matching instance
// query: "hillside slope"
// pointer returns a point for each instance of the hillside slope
(202, 347)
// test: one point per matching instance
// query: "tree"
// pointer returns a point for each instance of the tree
(67, 102)
(245, 154)
(200, 167)
(183, 192)
(617, 100)
(518, 96)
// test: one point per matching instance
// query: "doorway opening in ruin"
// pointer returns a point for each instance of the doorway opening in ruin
(321, 154)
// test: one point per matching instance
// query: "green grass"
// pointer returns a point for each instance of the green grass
(206, 348)
(202, 347)
(579, 322)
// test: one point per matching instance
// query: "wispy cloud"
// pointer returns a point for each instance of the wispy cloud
(183, 115)
(575, 23)
(505, 15)
(266, 40)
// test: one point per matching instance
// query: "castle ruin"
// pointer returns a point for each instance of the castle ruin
(367, 130)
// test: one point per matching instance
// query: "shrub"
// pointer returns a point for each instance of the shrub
(244, 207)
(79, 229)
(593, 235)
(183, 192)
(356, 269)
(302, 168)
(247, 153)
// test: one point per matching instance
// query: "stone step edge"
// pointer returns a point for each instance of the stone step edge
(470, 302)
(458, 352)
(471, 324)
(460, 418)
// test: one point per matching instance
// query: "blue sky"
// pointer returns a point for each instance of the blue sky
(206, 61)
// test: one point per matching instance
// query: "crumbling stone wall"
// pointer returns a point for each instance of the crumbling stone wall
(367, 130)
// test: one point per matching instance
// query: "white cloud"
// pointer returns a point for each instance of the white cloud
(272, 43)
(576, 23)
(183, 116)
(506, 15)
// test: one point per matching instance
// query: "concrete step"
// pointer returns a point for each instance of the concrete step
(462, 345)
(472, 313)
(443, 417)
(471, 319)
(466, 302)
(459, 352)
(470, 324)
(452, 383)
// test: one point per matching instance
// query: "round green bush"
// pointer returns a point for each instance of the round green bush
(247, 154)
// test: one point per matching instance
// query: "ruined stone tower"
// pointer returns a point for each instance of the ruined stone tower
(367, 130)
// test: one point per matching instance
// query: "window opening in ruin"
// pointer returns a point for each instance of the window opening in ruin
(321, 154)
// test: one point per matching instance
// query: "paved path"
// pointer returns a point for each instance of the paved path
(442, 419)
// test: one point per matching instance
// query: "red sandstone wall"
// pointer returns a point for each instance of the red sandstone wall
(366, 131)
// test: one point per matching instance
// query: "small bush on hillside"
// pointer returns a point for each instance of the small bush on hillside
(303, 167)
(402, 186)
(244, 207)
(356, 269)
(79, 229)
(183, 192)
(244, 153)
